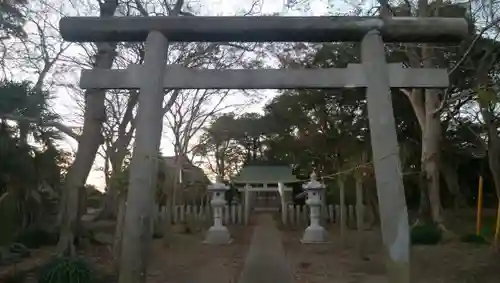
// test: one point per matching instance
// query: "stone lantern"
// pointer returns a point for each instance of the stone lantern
(315, 233)
(218, 234)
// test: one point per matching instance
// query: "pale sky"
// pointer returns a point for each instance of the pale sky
(64, 105)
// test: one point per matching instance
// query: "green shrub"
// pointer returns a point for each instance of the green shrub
(474, 239)
(66, 270)
(20, 249)
(10, 219)
(7, 257)
(34, 238)
(425, 235)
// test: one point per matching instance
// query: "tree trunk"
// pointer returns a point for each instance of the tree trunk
(111, 198)
(82, 201)
(431, 153)
(494, 163)
(493, 148)
(88, 143)
(424, 207)
(449, 173)
(425, 103)
(431, 131)
(117, 153)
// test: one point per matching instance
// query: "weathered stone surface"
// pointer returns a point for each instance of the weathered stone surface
(262, 29)
(314, 233)
(385, 148)
(178, 77)
(137, 232)
(218, 236)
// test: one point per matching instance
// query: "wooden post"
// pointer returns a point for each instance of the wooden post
(340, 182)
(144, 165)
(247, 203)
(281, 190)
(479, 207)
(391, 195)
(359, 211)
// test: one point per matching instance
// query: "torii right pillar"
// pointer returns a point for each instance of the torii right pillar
(390, 189)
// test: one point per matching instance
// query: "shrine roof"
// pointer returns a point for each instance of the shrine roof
(264, 174)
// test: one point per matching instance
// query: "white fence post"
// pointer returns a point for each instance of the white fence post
(234, 214)
(183, 213)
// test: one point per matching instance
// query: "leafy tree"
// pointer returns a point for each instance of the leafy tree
(31, 172)
(11, 19)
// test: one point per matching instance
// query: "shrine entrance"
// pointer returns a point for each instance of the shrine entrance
(374, 74)
(267, 201)
(265, 188)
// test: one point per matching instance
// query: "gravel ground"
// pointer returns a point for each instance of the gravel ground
(189, 260)
(334, 262)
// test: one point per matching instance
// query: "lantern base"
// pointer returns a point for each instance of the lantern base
(218, 236)
(314, 235)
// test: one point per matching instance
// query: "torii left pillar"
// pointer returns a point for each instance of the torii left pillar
(137, 234)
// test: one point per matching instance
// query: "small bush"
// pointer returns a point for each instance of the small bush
(20, 249)
(425, 235)
(7, 257)
(66, 270)
(34, 238)
(474, 239)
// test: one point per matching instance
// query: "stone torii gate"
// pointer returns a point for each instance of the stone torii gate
(373, 73)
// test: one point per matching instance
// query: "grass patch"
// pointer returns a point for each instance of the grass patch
(67, 270)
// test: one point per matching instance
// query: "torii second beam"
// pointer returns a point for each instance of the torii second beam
(179, 77)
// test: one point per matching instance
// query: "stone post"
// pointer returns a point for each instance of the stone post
(385, 150)
(315, 233)
(137, 234)
(218, 234)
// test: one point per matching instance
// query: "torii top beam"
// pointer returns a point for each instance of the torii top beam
(262, 29)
